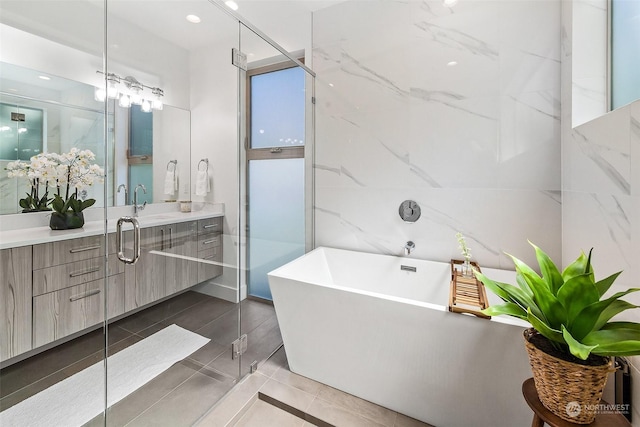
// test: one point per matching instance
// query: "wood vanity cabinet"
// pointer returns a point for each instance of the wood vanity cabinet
(182, 270)
(209, 248)
(15, 301)
(52, 290)
(69, 286)
(167, 263)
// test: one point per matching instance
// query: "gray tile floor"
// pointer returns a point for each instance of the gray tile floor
(183, 393)
(257, 401)
(199, 390)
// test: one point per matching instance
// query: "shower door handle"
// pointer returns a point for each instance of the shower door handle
(120, 240)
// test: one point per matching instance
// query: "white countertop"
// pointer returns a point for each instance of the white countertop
(43, 234)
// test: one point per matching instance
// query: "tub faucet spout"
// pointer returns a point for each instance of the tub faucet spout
(408, 247)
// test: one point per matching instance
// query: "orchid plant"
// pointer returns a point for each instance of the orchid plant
(66, 173)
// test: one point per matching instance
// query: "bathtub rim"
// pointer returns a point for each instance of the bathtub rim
(280, 273)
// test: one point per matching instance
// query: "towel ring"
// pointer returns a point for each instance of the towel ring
(175, 164)
(206, 163)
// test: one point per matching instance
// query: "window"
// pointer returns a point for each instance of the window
(625, 52)
(140, 153)
(275, 168)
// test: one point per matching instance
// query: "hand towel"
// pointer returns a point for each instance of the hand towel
(170, 182)
(202, 183)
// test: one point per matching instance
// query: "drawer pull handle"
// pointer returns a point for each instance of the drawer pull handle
(80, 273)
(208, 242)
(84, 295)
(209, 257)
(84, 249)
(209, 226)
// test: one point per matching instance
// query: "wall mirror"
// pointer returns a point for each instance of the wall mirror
(40, 112)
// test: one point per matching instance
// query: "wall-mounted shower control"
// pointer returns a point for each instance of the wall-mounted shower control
(409, 211)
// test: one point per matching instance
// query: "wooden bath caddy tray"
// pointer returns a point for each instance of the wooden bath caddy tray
(466, 294)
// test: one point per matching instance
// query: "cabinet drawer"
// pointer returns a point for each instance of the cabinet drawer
(61, 313)
(208, 241)
(211, 254)
(63, 276)
(210, 225)
(64, 251)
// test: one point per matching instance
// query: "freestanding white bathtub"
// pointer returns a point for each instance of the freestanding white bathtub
(361, 324)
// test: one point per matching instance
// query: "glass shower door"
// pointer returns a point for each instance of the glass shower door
(53, 281)
(278, 136)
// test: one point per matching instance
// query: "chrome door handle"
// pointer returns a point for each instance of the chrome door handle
(136, 240)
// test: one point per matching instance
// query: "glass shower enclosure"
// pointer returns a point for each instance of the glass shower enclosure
(153, 310)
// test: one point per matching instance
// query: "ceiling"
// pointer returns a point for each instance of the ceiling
(74, 22)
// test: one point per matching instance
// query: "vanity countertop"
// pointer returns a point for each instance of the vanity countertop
(37, 235)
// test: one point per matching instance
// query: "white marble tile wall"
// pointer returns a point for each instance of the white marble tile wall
(475, 143)
(601, 176)
(601, 202)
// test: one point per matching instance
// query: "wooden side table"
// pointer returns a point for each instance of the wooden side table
(542, 415)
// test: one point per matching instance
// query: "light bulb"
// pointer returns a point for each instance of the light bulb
(146, 106)
(136, 98)
(99, 94)
(125, 101)
(156, 104)
(112, 91)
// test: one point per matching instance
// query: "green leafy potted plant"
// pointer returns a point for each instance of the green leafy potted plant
(572, 339)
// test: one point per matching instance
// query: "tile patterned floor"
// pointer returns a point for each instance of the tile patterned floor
(182, 394)
(258, 399)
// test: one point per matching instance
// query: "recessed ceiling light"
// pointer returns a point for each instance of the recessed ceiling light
(452, 63)
(194, 19)
(449, 3)
(231, 4)
(44, 77)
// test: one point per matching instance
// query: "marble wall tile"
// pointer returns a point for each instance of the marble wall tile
(597, 155)
(476, 144)
(367, 220)
(609, 220)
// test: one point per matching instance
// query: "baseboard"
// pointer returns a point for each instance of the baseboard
(217, 290)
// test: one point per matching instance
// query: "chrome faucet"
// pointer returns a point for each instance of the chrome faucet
(408, 247)
(126, 193)
(136, 206)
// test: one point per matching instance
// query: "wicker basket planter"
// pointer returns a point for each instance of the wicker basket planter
(569, 390)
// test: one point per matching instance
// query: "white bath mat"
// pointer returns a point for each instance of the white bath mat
(79, 398)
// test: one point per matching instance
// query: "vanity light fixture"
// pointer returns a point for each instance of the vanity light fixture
(136, 88)
(156, 104)
(112, 90)
(131, 93)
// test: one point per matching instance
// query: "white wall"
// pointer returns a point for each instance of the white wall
(476, 144)
(214, 136)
